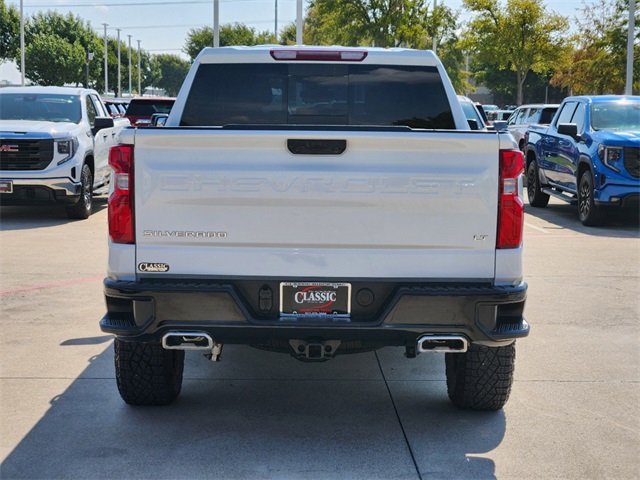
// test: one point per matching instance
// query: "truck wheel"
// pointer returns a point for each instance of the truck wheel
(146, 373)
(82, 208)
(536, 197)
(480, 378)
(588, 212)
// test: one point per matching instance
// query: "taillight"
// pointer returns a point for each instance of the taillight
(121, 200)
(319, 55)
(510, 206)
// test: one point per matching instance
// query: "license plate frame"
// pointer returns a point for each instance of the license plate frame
(6, 186)
(315, 299)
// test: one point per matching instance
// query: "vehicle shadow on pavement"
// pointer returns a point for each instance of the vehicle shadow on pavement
(32, 217)
(264, 415)
(621, 223)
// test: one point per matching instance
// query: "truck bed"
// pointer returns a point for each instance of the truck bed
(241, 203)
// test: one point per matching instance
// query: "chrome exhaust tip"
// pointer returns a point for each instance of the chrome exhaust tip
(187, 341)
(442, 343)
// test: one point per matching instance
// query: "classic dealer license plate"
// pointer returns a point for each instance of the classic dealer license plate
(311, 299)
(6, 186)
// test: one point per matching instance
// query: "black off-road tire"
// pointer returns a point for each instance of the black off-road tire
(146, 373)
(588, 212)
(480, 378)
(84, 206)
(537, 198)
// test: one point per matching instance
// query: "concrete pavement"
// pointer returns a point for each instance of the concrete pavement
(573, 411)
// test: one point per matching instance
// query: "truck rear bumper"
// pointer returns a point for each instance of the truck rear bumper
(230, 313)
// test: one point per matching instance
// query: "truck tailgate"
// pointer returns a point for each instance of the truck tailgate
(393, 205)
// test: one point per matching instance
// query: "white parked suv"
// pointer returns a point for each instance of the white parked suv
(526, 115)
(54, 147)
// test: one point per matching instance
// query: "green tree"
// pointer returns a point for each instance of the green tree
(9, 32)
(597, 60)
(380, 23)
(521, 36)
(236, 34)
(69, 36)
(390, 23)
(171, 71)
(536, 88)
(51, 60)
(453, 60)
(288, 34)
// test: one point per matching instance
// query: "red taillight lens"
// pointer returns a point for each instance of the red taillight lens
(510, 205)
(319, 55)
(121, 200)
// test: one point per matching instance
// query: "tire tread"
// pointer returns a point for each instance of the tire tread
(481, 378)
(147, 374)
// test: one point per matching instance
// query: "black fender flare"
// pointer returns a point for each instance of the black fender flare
(585, 163)
(89, 159)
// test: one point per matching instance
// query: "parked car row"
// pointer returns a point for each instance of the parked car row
(471, 111)
(585, 151)
(138, 110)
(117, 107)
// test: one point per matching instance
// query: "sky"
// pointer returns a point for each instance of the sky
(162, 25)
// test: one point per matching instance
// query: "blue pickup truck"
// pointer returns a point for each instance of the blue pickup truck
(589, 156)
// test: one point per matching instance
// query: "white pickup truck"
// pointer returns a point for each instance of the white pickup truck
(316, 201)
(54, 147)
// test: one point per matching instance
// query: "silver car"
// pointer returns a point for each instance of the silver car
(527, 115)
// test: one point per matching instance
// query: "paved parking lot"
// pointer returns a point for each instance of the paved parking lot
(573, 413)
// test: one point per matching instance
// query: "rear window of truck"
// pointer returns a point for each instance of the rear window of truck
(317, 94)
(147, 107)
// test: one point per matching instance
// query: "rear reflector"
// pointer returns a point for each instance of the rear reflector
(320, 55)
(510, 205)
(120, 204)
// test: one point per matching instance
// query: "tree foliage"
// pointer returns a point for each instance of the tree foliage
(9, 32)
(170, 72)
(597, 60)
(380, 23)
(521, 36)
(56, 48)
(236, 34)
(385, 23)
(51, 60)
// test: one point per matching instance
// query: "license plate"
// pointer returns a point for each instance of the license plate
(6, 186)
(315, 299)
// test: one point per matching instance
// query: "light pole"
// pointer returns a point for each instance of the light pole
(630, 37)
(275, 24)
(118, 30)
(139, 76)
(130, 91)
(22, 67)
(89, 58)
(435, 42)
(216, 23)
(106, 64)
(299, 22)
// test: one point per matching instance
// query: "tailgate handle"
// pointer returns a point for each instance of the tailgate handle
(316, 147)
